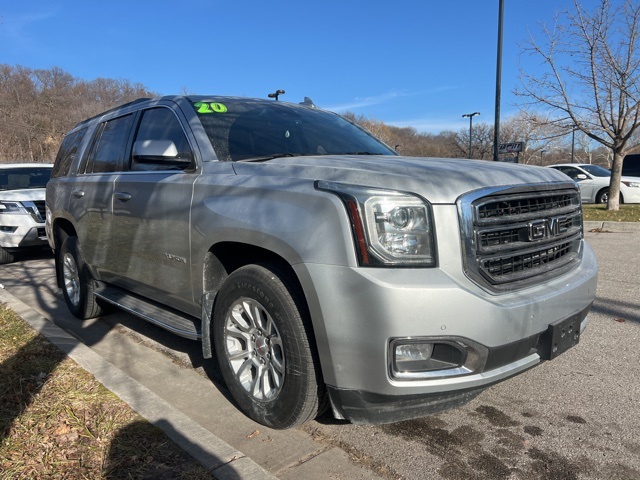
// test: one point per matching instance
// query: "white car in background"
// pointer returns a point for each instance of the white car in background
(22, 211)
(593, 181)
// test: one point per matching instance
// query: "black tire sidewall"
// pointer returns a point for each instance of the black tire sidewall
(5, 256)
(602, 195)
(284, 410)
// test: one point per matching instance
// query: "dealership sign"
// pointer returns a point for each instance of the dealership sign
(513, 147)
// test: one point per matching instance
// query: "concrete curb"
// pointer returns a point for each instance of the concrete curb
(616, 227)
(218, 457)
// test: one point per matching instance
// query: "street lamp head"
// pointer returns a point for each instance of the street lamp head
(470, 115)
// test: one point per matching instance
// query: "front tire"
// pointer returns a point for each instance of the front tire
(603, 196)
(6, 256)
(78, 284)
(262, 342)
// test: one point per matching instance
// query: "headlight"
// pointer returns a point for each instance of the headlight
(631, 184)
(389, 227)
(14, 208)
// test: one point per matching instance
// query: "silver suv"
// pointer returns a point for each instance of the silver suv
(321, 268)
(22, 212)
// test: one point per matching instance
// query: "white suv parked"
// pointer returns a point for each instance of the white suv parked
(22, 212)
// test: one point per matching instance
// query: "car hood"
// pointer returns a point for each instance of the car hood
(26, 194)
(439, 180)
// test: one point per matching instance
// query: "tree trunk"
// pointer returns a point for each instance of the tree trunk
(614, 185)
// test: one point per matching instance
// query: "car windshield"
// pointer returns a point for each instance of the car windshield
(24, 177)
(596, 170)
(246, 129)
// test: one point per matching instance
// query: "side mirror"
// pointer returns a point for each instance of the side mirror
(159, 152)
(581, 176)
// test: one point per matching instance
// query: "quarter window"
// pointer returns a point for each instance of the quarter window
(109, 145)
(67, 153)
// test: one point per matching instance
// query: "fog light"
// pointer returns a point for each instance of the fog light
(413, 357)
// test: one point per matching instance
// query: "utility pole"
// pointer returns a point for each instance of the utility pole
(496, 129)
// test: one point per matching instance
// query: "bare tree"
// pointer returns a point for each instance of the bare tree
(592, 77)
(37, 107)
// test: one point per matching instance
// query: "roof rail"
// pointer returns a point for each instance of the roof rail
(133, 102)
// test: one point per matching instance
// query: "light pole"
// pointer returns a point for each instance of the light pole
(541, 152)
(470, 115)
(496, 127)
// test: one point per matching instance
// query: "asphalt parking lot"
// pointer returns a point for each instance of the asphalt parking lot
(577, 417)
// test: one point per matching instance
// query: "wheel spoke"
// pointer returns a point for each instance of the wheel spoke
(278, 364)
(240, 355)
(276, 375)
(245, 369)
(240, 320)
(255, 315)
(257, 387)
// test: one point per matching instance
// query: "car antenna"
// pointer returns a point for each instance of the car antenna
(308, 103)
(276, 95)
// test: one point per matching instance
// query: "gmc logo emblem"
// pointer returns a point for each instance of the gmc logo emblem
(548, 227)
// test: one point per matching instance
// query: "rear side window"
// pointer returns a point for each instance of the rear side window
(67, 153)
(108, 149)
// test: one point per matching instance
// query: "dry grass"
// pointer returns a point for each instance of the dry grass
(599, 213)
(58, 422)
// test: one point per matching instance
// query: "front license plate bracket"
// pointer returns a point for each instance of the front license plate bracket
(560, 337)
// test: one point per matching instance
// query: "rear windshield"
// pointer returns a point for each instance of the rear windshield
(24, 177)
(241, 129)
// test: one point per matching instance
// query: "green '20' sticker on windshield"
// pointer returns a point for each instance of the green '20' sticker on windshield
(213, 107)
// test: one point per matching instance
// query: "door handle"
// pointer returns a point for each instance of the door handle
(78, 193)
(122, 196)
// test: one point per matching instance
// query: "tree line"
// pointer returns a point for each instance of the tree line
(543, 144)
(38, 106)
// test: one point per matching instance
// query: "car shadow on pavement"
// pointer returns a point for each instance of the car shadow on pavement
(620, 311)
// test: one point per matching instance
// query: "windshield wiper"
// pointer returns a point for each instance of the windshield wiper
(268, 157)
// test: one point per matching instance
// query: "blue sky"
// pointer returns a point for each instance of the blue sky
(413, 63)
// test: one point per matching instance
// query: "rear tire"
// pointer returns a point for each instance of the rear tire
(262, 343)
(5, 256)
(78, 284)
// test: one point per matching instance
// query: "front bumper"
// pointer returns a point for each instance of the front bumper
(631, 194)
(357, 312)
(362, 407)
(22, 236)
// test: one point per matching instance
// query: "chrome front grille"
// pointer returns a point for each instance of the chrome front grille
(41, 208)
(37, 210)
(514, 237)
